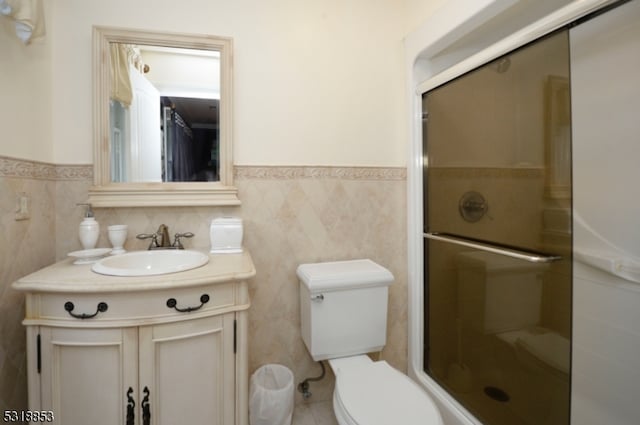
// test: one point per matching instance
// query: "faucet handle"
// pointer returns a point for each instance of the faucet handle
(152, 236)
(176, 241)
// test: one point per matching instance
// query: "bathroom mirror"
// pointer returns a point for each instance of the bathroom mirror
(162, 119)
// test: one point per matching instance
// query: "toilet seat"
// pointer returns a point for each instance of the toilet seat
(374, 393)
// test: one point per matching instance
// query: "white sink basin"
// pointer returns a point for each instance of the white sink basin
(149, 263)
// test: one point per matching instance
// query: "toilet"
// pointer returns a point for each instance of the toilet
(343, 306)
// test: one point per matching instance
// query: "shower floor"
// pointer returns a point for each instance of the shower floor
(495, 404)
(490, 411)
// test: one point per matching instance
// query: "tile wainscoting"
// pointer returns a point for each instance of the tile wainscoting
(291, 214)
(296, 215)
(27, 245)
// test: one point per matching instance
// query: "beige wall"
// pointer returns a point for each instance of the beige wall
(25, 84)
(316, 82)
(319, 84)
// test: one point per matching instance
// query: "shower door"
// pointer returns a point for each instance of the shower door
(497, 185)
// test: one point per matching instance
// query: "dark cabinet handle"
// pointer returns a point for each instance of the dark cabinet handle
(102, 307)
(131, 404)
(172, 303)
(146, 407)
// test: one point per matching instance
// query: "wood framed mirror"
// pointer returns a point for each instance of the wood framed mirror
(162, 119)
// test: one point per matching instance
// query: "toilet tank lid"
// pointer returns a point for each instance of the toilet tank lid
(340, 275)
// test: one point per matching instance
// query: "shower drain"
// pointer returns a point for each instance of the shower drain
(496, 394)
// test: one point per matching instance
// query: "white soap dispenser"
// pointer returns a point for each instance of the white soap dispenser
(89, 229)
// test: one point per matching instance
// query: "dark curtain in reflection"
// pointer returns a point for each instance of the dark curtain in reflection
(191, 148)
(181, 140)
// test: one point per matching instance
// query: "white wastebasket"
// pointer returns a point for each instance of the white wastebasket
(271, 396)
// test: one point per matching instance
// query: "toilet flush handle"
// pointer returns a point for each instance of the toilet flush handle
(317, 298)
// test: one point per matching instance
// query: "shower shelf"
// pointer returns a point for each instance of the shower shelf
(621, 267)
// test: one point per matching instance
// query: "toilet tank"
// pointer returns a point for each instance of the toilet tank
(343, 307)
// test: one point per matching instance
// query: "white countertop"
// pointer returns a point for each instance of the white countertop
(64, 276)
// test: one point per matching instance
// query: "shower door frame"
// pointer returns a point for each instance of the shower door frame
(423, 47)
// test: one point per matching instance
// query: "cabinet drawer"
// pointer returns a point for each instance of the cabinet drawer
(105, 307)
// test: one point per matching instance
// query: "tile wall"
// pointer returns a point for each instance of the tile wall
(292, 215)
(25, 246)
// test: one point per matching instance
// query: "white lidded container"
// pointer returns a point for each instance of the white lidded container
(226, 234)
(343, 307)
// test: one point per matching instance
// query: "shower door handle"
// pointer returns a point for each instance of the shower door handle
(532, 257)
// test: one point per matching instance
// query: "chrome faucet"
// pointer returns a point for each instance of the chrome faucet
(161, 239)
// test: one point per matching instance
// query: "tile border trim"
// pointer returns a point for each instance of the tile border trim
(244, 172)
(490, 172)
(21, 168)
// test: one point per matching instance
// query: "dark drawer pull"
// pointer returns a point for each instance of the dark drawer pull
(102, 307)
(172, 303)
(146, 407)
(131, 404)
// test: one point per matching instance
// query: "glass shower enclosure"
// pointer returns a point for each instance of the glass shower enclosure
(497, 236)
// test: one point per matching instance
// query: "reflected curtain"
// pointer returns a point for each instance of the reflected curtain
(121, 89)
(181, 139)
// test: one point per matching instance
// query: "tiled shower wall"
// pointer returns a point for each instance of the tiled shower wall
(292, 215)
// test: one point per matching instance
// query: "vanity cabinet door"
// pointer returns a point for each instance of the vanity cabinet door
(85, 374)
(188, 368)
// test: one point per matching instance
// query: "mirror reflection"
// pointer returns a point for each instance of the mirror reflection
(164, 114)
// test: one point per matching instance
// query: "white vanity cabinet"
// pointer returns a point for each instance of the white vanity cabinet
(80, 373)
(138, 360)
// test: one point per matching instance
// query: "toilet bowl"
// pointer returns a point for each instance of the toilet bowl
(374, 393)
(343, 316)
